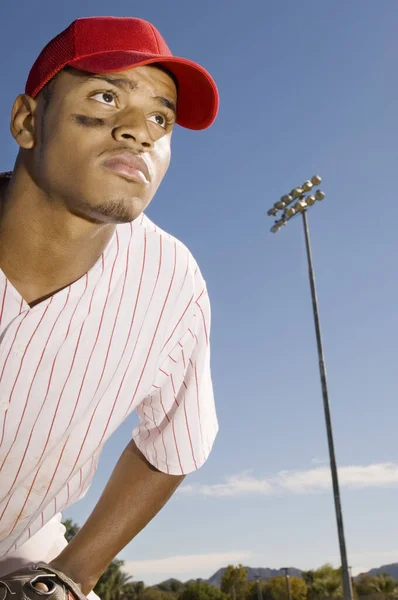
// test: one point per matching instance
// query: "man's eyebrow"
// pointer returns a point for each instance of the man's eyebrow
(129, 86)
(120, 82)
(167, 103)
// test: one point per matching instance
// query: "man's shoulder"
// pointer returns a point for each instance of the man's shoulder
(167, 238)
(170, 244)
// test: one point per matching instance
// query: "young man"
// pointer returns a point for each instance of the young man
(101, 312)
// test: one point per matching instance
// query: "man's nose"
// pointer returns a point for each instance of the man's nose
(134, 128)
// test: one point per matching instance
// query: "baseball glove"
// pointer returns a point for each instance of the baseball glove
(21, 584)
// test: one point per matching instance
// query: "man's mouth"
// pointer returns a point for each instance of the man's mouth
(128, 165)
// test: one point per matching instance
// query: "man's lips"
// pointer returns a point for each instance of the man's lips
(131, 166)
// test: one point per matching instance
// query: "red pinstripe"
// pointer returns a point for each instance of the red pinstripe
(178, 322)
(164, 445)
(4, 297)
(174, 434)
(183, 358)
(204, 324)
(30, 388)
(31, 488)
(150, 347)
(138, 336)
(4, 366)
(176, 445)
(161, 404)
(198, 404)
(17, 377)
(156, 435)
(156, 329)
(149, 434)
(131, 358)
(97, 336)
(117, 312)
(189, 303)
(43, 403)
(174, 390)
(13, 341)
(125, 346)
(189, 432)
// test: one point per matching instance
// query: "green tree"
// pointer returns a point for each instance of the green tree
(386, 585)
(171, 585)
(71, 529)
(363, 585)
(114, 584)
(201, 590)
(258, 590)
(133, 590)
(234, 582)
(278, 588)
(151, 593)
(325, 582)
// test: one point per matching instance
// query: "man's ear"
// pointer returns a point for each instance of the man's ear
(22, 124)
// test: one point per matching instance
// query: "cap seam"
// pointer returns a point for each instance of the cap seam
(51, 74)
(74, 39)
(154, 35)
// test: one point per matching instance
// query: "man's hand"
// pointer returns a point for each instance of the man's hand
(25, 583)
(134, 494)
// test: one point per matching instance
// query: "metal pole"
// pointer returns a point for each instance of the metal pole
(347, 586)
(288, 589)
(259, 591)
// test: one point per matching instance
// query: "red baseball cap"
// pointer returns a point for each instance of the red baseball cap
(110, 44)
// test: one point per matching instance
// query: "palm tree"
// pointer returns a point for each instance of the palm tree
(323, 583)
(114, 584)
(385, 584)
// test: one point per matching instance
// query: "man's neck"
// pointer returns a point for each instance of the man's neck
(44, 248)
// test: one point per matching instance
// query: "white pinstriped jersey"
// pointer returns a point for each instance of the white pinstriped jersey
(132, 334)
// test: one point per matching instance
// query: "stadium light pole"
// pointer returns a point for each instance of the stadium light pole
(297, 202)
(287, 579)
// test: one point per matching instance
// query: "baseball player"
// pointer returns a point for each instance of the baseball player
(101, 311)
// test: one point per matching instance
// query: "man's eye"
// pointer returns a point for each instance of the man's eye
(105, 98)
(159, 120)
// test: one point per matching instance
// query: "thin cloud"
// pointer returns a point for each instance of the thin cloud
(364, 561)
(311, 481)
(176, 566)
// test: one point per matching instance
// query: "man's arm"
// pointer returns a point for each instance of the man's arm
(134, 494)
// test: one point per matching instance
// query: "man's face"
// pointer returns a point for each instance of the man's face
(102, 145)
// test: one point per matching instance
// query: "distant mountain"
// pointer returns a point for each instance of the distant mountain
(266, 574)
(391, 570)
(254, 573)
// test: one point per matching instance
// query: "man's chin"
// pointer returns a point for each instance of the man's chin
(120, 210)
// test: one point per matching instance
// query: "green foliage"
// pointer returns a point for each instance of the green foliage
(114, 584)
(201, 591)
(325, 582)
(172, 585)
(382, 585)
(278, 588)
(152, 593)
(234, 582)
(71, 529)
(258, 590)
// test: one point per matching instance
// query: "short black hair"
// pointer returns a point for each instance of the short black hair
(47, 91)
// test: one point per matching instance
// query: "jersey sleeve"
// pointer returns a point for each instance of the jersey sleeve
(177, 421)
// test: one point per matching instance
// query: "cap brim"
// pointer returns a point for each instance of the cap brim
(197, 103)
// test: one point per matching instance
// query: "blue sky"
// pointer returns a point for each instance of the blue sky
(306, 87)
